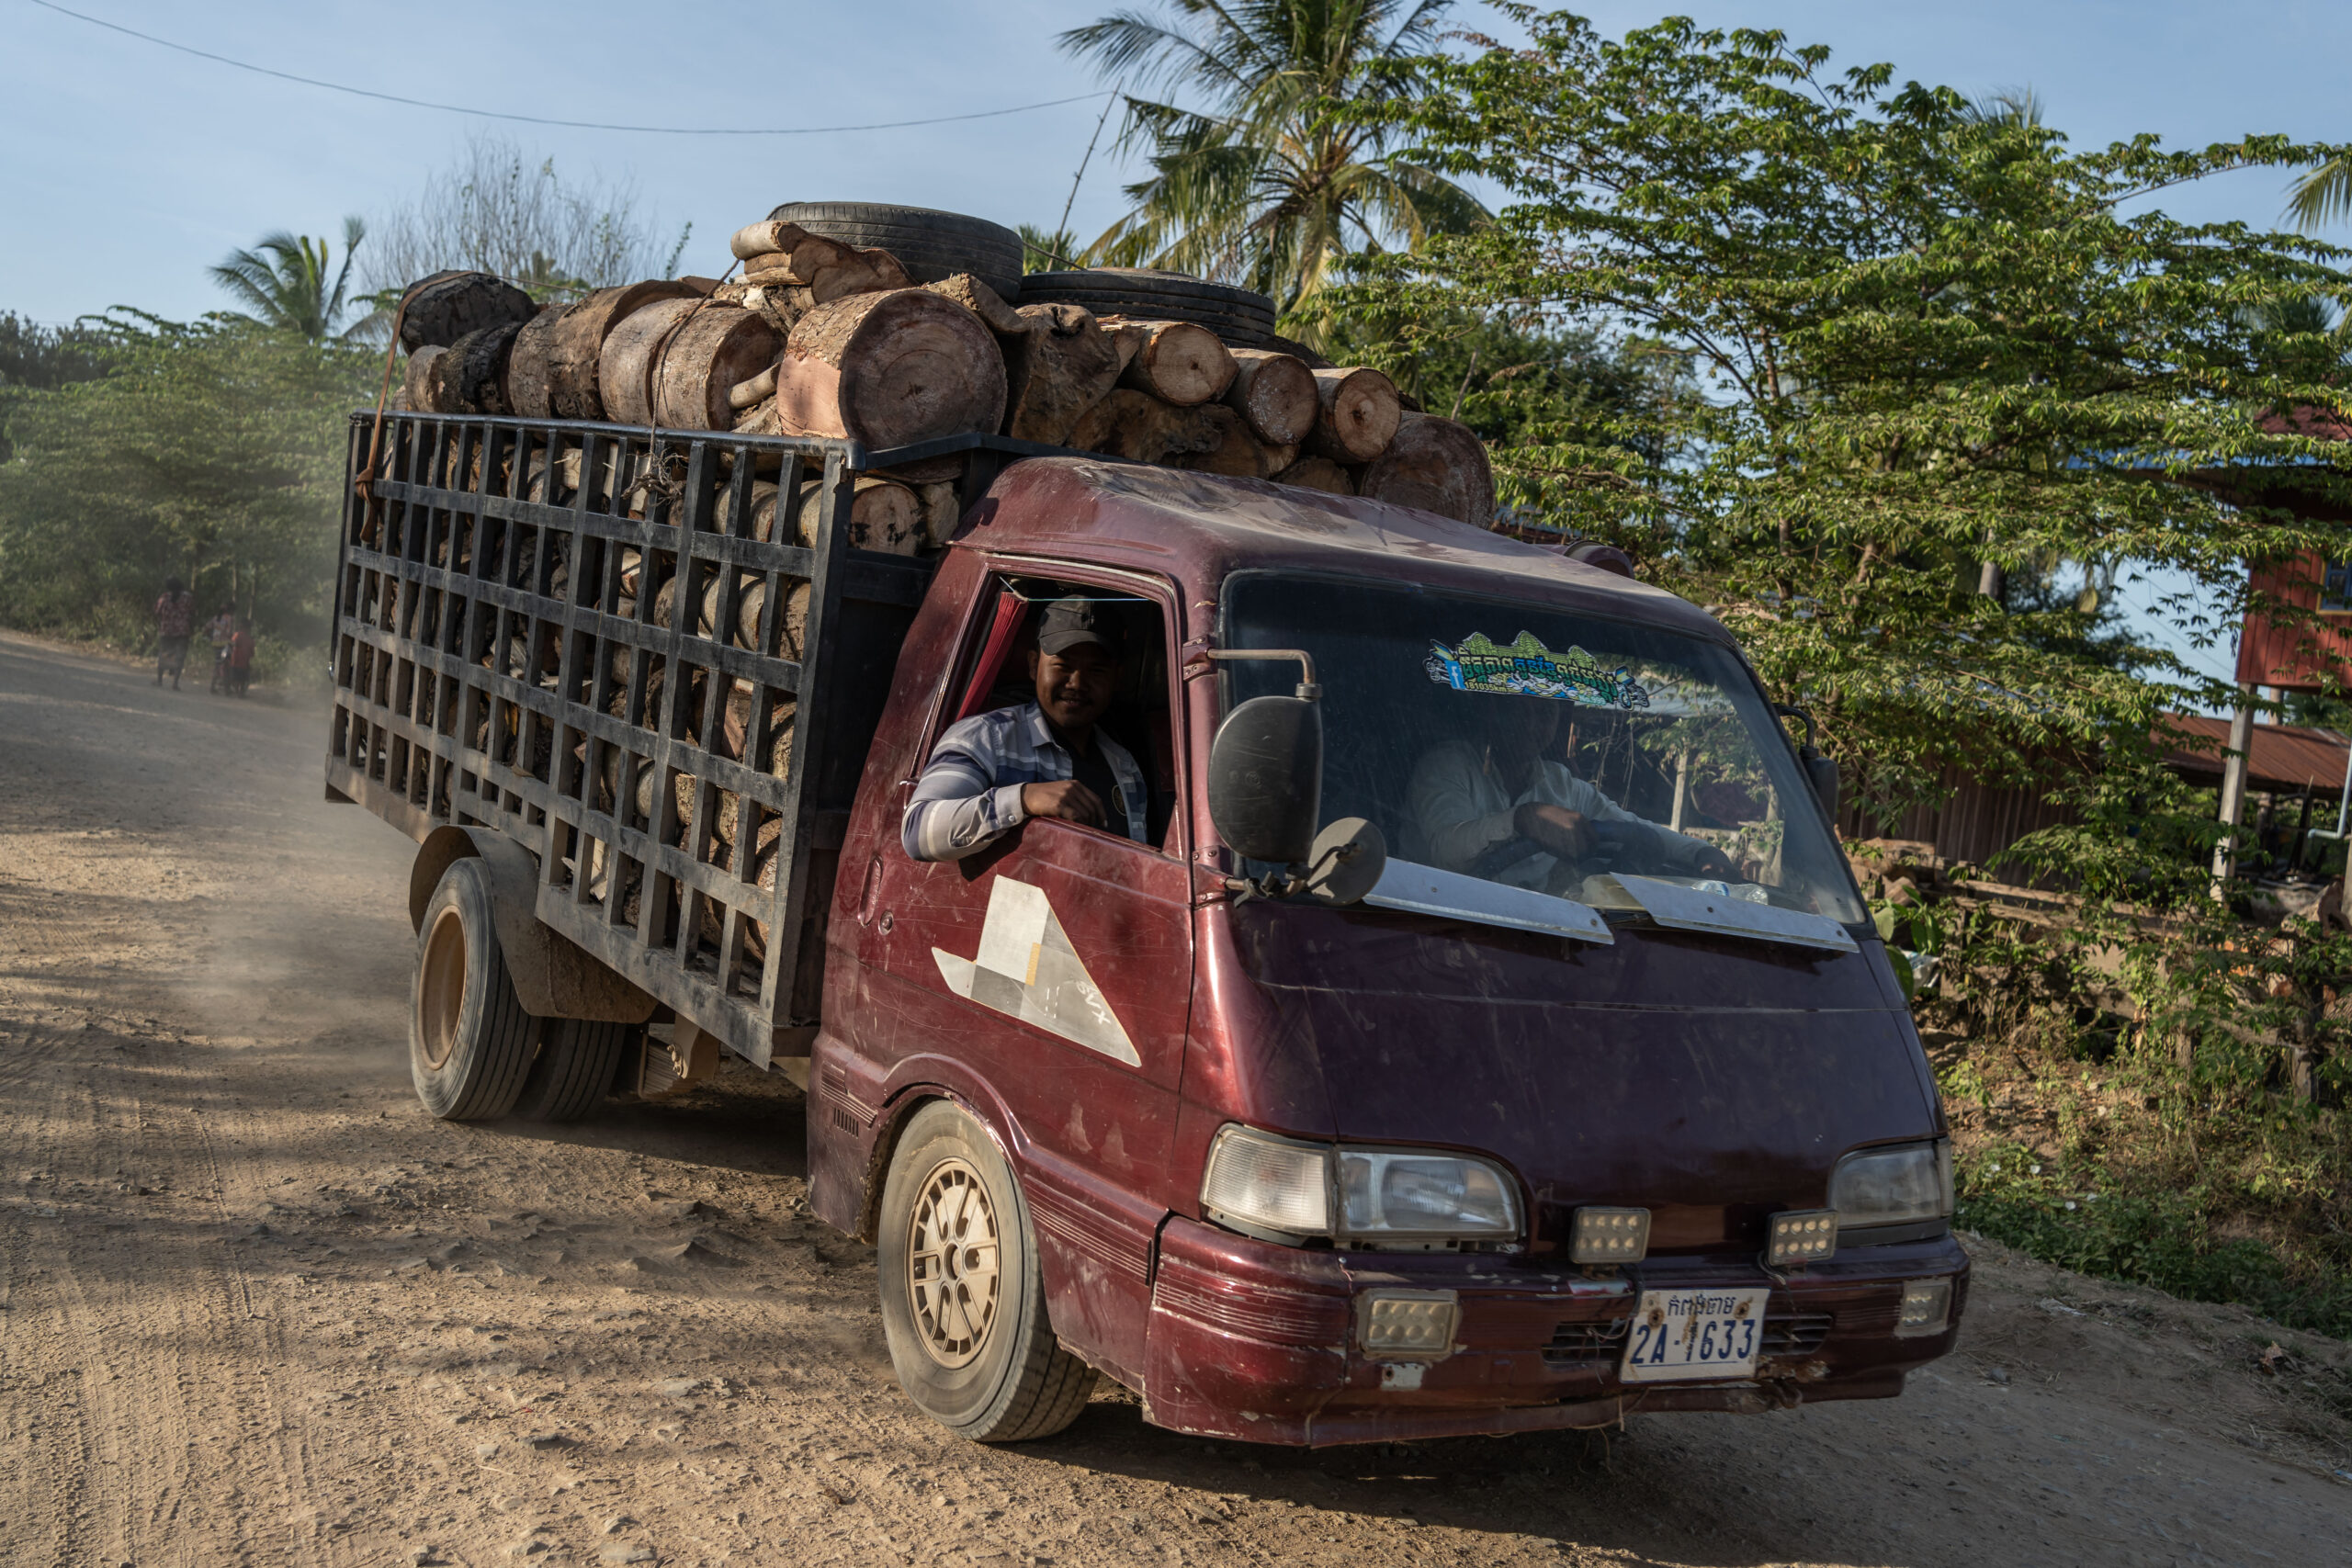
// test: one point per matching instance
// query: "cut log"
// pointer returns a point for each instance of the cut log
(625, 371)
(1238, 452)
(1317, 473)
(735, 726)
(1358, 416)
(1127, 338)
(718, 348)
(758, 390)
(982, 301)
(580, 335)
(1437, 464)
(1060, 366)
(1276, 392)
(761, 522)
(1140, 428)
(830, 270)
(417, 376)
(1179, 363)
(941, 514)
(470, 375)
(529, 361)
(438, 310)
(889, 370)
(884, 515)
(750, 600)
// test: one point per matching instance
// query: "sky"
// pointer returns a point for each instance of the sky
(127, 170)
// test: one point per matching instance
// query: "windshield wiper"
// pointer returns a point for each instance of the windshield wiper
(1681, 907)
(1426, 890)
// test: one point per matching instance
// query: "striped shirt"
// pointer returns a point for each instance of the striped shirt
(969, 794)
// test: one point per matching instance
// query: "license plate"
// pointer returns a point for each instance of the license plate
(1694, 1333)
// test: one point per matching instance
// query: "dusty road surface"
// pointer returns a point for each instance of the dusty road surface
(256, 1308)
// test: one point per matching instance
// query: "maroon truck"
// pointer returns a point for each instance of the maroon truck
(1480, 1032)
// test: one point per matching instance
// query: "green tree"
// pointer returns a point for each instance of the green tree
(1265, 186)
(212, 451)
(283, 282)
(2322, 193)
(1923, 336)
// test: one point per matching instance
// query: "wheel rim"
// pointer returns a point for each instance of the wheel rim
(441, 987)
(953, 1264)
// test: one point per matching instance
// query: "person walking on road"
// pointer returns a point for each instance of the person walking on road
(174, 624)
(241, 657)
(221, 630)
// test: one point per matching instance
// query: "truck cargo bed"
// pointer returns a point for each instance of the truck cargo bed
(504, 658)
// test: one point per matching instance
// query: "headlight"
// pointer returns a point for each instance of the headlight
(1902, 1185)
(1258, 1182)
(1295, 1192)
(1442, 1195)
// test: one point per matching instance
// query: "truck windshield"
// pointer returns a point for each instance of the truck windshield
(1544, 749)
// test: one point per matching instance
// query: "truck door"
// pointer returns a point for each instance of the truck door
(1055, 966)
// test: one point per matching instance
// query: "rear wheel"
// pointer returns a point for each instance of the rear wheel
(963, 1302)
(578, 1063)
(470, 1042)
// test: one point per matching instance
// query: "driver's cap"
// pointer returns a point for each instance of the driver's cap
(1070, 622)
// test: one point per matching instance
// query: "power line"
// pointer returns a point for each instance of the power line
(538, 119)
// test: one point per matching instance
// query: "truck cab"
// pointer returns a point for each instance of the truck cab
(1562, 1078)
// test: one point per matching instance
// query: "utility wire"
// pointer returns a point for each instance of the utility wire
(538, 119)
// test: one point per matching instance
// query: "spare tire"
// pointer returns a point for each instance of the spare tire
(930, 246)
(1237, 315)
(437, 311)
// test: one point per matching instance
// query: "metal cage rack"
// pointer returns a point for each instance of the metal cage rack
(598, 641)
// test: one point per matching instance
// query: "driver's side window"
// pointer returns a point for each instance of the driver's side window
(1079, 671)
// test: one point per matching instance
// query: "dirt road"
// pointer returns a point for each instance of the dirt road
(256, 1308)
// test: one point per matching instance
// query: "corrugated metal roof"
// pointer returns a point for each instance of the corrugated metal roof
(2281, 757)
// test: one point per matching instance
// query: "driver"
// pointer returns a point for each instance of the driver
(1496, 807)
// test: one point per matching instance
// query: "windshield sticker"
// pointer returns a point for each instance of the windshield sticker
(1527, 668)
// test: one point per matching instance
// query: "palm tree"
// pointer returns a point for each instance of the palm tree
(283, 281)
(2323, 195)
(1266, 185)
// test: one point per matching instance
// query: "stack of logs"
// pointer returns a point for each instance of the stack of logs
(821, 338)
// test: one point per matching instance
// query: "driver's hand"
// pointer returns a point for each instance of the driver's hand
(1553, 828)
(1713, 861)
(1065, 798)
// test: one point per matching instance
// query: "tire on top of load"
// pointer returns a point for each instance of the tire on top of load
(1237, 315)
(438, 310)
(930, 246)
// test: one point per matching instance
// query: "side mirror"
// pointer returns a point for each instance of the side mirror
(1266, 778)
(1819, 771)
(1823, 773)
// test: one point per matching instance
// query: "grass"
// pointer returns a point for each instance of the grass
(2089, 1153)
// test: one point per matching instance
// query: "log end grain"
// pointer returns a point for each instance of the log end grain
(1061, 365)
(1276, 392)
(1181, 363)
(890, 369)
(625, 366)
(1358, 414)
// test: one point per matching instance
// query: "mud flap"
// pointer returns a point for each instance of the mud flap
(553, 976)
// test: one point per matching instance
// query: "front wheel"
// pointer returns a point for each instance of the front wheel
(963, 1302)
(470, 1042)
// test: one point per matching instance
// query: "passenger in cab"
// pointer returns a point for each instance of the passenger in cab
(1047, 757)
(1491, 804)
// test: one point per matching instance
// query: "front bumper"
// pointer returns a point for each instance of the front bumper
(1256, 1341)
